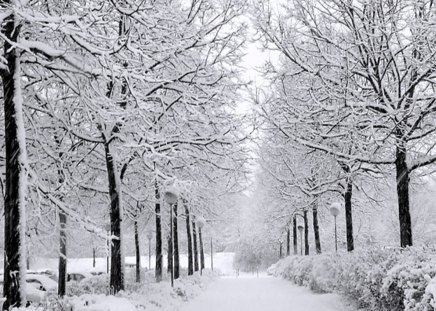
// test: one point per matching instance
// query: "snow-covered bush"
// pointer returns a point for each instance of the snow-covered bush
(376, 279)
(92, 294)
(98, 284)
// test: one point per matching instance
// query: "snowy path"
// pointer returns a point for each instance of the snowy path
(262, 294)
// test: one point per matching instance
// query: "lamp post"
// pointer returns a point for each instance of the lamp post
(149, 237)
(107, 227)
(200, 224)
(300, 228)
(171, 195)
(334, 210)
(211, 254)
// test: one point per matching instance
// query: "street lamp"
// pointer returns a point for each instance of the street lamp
(334, 210)
(107, 227)
(171, 195)
(300, 228)
(149, 237)
(211, 254)
(200, 224)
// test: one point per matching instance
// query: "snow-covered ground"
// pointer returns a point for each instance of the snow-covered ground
(251, 293)
(221, 261)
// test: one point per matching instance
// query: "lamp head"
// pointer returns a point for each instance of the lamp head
(171, 195)
(334, 209)
(149, 234)
(200, 222)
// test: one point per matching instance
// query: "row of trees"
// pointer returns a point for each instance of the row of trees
(353, 104)
(107, 103)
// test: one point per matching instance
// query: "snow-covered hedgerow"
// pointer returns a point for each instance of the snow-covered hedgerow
(377, 279)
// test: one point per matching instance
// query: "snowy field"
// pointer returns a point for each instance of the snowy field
(221, 261)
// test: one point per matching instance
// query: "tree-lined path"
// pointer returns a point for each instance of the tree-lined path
(263, 293)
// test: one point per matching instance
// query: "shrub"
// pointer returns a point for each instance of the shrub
(377, 279)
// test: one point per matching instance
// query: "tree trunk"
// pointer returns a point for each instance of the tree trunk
(158, 270)
(16, 177)
(200, 240)
(294, 233)
(281, 250)
(137, 253)
(194, 236)
(176, 243)
(117, 269)
(189, 237)
(170, 254)
(288, 242)
(306, 234)
(93, 257)
(316, 229)
(403, 193)
(62, 281)
(349, 215)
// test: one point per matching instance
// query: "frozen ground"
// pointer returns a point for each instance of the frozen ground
(263, 293)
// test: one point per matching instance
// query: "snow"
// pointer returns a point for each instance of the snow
(262, 293)
(431, 291)
(22, 187)
(101, 303)
(222, 262)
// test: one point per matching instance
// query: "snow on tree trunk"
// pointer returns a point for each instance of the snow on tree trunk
(306, 234)
(403, 192)
(137, 253)
(316, 228)
(158, 268)
(194, 236)
(349, 215)
(176, 244)
(189, 238)
(116, 214)
(62, 269)
(16, 162)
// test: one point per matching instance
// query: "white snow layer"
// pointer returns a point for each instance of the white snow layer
(260, 294)
(22, 187)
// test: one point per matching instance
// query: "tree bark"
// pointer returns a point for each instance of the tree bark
(306, 233)
(158, 270)
(62, 266)
(93, 257)
(281, 250)
(16, 177)
(349, 215)
(288, 242)
(403, 192)
(294, 233)
(62, 280)
(176, 243)
(170, 254)
(194, 236)
(200, 239)
(316, 229)
(189, 237)
(137, 253)
(117, 269)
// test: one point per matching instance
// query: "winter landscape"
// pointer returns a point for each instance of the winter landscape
(218, 155)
